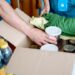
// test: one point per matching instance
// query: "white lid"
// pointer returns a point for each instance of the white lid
(53, 31)
(49, 47)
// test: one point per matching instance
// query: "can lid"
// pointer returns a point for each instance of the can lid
(3, 45)
(69, 48)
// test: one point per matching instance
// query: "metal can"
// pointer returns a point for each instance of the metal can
(69, 48)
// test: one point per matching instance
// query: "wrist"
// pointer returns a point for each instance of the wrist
(26, 28)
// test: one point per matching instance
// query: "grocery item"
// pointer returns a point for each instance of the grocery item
(53, 31)
(69, 48)
(38, 22)
(49, 47)
(5, 51)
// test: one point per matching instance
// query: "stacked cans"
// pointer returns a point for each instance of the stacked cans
(5, 52)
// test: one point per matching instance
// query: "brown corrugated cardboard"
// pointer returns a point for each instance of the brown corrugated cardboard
(9, 33)
(34, 62)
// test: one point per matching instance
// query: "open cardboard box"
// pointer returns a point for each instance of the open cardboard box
(14, 36)
(27, 61)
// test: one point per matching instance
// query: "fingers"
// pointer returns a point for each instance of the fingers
(43, 11)
(50, 39)
(46, 40)
(41, 42)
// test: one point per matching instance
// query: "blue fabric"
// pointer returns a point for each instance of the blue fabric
(62, 5)
(70, 8)
(9, 1)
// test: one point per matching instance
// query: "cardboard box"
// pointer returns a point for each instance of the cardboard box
(9, 33)
(26, 61)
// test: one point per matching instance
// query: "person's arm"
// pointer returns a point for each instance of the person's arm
(46, 7)
(36, 35)
(8, 14)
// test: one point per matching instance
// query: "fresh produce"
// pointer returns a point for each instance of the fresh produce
(38, 22)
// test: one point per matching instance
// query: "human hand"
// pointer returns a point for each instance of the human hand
(40, 37)
(45, 10)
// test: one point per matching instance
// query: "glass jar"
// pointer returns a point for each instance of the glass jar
(6, 51)
(1, 57)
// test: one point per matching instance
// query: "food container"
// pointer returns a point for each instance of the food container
(53, 31)
(49, 47)
(69, 48)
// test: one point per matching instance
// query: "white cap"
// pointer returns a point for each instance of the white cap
(53, 31)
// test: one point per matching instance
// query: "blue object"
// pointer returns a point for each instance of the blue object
(69, 7)
(9, 1)
(62, 5)
(1, 57)
(7, 52)
(73, 2)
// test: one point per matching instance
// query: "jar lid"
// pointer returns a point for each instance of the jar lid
(1, 40)
(3, 45)
(69, 48)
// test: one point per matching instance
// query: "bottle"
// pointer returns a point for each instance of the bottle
(6, 52)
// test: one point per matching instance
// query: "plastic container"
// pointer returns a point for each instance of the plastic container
(53, 31)
(49, 47)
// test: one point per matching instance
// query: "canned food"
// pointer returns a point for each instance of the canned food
(72, 42)
(69, 48)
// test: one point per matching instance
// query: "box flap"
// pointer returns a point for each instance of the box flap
(34, 62)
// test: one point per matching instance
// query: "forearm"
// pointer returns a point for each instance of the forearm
(11, 17)
(46, 2)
